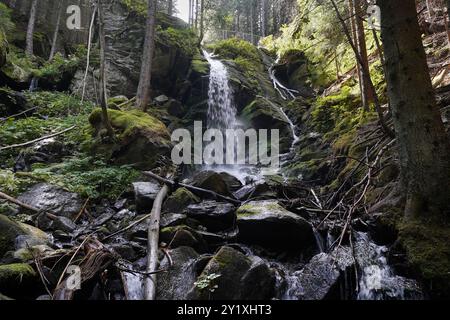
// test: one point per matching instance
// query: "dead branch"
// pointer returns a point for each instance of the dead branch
(26, 144)
(153, 244)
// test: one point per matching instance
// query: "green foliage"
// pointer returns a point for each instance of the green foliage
(139, 6)
(87, 176)
(6, 24)
(58, 104)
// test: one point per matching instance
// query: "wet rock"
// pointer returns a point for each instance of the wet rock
(234, 272)
(144, 195)
(161, 99)
(28, 253)
(63, 224)
(260, 190)
(268, 224)
(215, 216)
(324, 276)
(179, 201)
(182, 236)
(212, 181)
(179, 280)
(52, 199)
(172, 219)
(232, 182)
(11, 230)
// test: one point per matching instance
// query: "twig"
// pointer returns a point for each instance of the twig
(25, 144)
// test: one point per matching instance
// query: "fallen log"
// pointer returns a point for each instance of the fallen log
(153, 244)
(197, 190)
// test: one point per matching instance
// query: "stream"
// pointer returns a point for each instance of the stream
(365, 274)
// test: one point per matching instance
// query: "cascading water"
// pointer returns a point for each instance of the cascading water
(221, 110)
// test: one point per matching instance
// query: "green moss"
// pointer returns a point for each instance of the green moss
(235, 48)
(126, 123)
(427, 246)
(179, 200)
(200, 66)
(183, 39)
(17, 272)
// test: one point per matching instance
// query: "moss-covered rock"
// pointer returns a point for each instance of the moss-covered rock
(180, 200)
(228, 276)
(264, 114)
(3, 48)
(17, 277)
(180, 236)
(268, 224)
(141, 139)
(212, 181)
(10, 230)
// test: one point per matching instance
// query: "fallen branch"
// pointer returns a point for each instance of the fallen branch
(18, 114)
(192, 188)
(153, 244)
(26, 144)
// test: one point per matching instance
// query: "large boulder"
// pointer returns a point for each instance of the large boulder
(230, 275)
(262, 113)
(215, 216)
(176, 283)
(326, 276)
(16, 235)
(53, 199)
(268, 224)
(140, 139)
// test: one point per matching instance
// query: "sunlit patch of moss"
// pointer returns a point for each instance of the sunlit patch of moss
(184, 39)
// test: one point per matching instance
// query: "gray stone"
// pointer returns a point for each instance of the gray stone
(53, 199)
(268, 224)
(215, 216)
(144, 195)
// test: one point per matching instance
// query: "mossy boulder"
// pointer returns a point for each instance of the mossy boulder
(180, 200)
(264, 114)
(11, 230)
(141, 139)
(267, 224)
(12, 102)
(17, 277)
(228, 275)
(180, 236)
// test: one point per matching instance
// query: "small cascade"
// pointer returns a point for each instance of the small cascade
(377, 280)
(34, 84)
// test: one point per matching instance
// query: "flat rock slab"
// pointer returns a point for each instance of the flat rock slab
(267, 224)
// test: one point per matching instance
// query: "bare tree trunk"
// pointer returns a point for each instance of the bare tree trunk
(55, 34)
(143, 91)
(103, 79)
(88, 55)
(170, 8)
(30, 30)
(424, 147)
(252, 28)
(430, 9)
(366, 92)
(153, 244)
(202, 21)
(365, 72)
(355, 40)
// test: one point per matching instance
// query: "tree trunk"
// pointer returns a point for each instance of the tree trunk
(55, 34)
(30, 30)
(366, 92)
(103, 79)
(430, 9)
(143, 92)
(170, 8)
(202, 21)
(424, 147)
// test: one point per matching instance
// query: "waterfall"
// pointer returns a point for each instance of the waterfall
(221, 110)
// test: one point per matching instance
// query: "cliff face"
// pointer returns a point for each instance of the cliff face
(47, 15)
